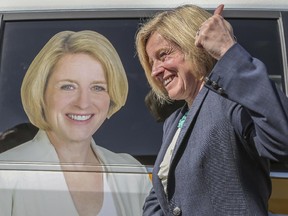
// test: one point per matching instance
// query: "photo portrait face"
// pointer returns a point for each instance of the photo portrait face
(76, 98)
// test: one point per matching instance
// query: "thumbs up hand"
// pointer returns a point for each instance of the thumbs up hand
(215, 35)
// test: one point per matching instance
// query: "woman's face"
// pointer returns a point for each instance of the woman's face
(172, 69)
(77, 101)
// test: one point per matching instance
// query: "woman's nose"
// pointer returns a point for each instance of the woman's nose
(157, 68)
(83, 99)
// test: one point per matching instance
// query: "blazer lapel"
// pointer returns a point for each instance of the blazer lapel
(168, 138)
(189, 122)
(191, 117)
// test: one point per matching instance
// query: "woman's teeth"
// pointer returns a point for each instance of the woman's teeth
(167, 81)
(80, 117)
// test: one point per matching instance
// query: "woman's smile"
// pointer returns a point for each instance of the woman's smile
(81, 118)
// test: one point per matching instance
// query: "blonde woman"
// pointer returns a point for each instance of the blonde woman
(75, 82)
(214, 159)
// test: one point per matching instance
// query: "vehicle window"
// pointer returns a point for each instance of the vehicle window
(134, 129)
(261, 38)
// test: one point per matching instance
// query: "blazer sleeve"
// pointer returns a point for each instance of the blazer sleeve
(152, 206)
(244, 80)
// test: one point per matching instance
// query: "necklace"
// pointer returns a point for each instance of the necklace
(182, 120)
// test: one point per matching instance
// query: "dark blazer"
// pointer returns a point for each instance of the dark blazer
(220, 165)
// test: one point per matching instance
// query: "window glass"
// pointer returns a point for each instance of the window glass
(132, 129)
(260, 37)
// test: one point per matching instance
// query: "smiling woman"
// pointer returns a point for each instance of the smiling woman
(75, 82)
(77, 101)
(217, 148)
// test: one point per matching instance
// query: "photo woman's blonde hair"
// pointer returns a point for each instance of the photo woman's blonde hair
(69, 42)
(179, 27)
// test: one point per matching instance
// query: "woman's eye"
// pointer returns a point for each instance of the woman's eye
(67, 87)
(162, 55)
(98, 88)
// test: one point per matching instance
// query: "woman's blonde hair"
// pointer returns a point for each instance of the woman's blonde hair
(178, 26)
(68, 42)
